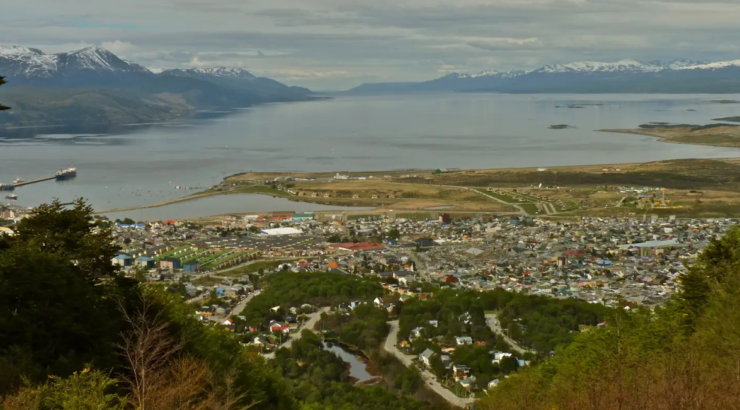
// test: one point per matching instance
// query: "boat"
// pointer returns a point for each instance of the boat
(66, 173)
(6, 187)
(12, 196)
(19, 180)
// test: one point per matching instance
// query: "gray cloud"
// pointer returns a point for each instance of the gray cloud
(334, 44)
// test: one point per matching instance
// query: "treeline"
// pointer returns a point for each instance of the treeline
(685, 355)
(288, 289)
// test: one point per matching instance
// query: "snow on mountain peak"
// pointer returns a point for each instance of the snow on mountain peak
(229, 72)
(17, 51)
(601, 67)
(711, 66)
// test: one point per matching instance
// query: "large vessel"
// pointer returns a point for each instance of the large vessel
(6, 187)
(66, 173)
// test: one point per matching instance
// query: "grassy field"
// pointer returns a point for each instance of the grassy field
(385, 194)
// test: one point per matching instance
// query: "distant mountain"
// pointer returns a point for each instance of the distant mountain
(240, 79)
(679, 76)
(93, 84)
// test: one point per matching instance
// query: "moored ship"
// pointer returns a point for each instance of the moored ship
(18, 180)
(6, 187)
(66, 173)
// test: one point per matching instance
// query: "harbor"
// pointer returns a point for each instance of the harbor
(62, 174)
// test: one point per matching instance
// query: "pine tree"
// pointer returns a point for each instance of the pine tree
(2, 81)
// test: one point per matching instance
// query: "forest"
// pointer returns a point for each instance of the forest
(289, 289)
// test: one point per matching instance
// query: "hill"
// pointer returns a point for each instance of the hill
(624, 76)
(681, 356)
(93, 85)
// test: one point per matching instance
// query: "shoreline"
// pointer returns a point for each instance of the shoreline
(467, 177)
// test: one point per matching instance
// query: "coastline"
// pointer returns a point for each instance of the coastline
(464, 186)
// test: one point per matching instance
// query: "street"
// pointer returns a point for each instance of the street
(426, 376)
(313, 319)
(493, 323)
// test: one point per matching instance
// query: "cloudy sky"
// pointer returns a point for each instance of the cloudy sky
(337, 44)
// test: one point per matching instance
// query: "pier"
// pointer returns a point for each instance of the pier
(33, 181)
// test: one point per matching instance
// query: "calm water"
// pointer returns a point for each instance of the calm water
(357, 369)
(142, 164)
(226, 204)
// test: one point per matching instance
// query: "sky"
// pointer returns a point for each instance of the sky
(339, 44)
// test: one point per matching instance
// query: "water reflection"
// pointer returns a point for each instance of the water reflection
(357, 369)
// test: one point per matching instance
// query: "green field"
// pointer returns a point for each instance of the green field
(505, 198)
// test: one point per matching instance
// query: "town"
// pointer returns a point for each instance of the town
(407, 264)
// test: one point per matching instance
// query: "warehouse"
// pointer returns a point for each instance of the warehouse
(282, 231)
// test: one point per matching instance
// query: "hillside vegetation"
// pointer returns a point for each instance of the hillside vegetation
(685, 355)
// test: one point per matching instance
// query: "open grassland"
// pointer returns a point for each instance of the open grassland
(385, 194)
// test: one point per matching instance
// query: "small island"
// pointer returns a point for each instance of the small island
(731, 119)
(560, 126)
(724, 101)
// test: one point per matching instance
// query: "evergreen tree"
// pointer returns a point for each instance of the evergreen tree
(2, 81)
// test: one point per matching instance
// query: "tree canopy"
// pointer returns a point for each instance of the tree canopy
(2, 107)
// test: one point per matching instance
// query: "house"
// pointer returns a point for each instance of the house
(416, 333)
(169, 264)
(497, 356)
(145, 262)
(277, 328)
(192, 266)
(460, 371)
(263, 342)
(425, 357)
(446, 361)
(378, 302)
(434, 323)
(204, 311)
(463, 340)
(468, 383)
(122, 260)
(493, 383)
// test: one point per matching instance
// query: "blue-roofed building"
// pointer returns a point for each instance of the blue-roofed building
(192, 266)
(145, 262)
(307, 216)
(122, 260)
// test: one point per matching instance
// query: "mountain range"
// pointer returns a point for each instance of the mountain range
(624, 76)
(95, 85)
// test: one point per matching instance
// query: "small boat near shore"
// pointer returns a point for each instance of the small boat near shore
(11, 196)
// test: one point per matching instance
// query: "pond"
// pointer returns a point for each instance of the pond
(357, 369)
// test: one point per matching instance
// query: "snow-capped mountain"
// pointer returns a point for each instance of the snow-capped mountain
(587, 77)
(599, 67)
(238, 78)
(91, 65)
(223, 72)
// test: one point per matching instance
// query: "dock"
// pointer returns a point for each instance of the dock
(33, 181)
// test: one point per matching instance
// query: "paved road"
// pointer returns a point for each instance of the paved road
(313, 319)
(493, 323)
(428, 377)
